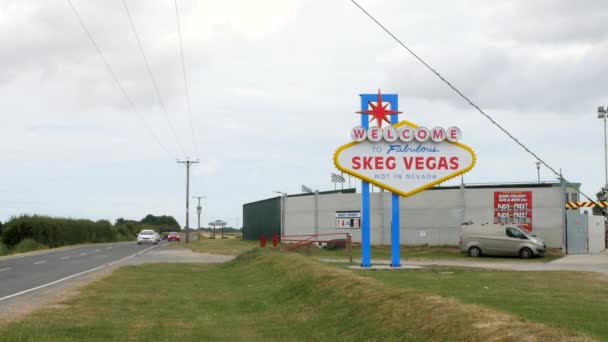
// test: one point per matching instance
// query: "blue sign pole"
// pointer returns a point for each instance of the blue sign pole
(365, 206)
(395, 223)
(365, 197)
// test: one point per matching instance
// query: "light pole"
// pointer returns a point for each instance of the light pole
(601, 114)
(283, 200)
(538, 170)
(199, 209)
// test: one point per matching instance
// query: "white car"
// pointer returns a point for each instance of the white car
(148, 236)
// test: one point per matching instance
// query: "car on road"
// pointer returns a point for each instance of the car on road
(148, 236)
(173, 236)
(500, 240)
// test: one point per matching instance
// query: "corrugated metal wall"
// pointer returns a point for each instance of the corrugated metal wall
(262, 217)
(431, 217)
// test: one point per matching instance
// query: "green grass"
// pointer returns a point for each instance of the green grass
(265, 295)
(24, 246)
(237, 246)
(573, 300)
(219, 246)
(419, 253)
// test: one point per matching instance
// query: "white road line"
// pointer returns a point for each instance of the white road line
(72, 276)
(5, 269)
(40, 262)
(65, 258)
(98, 250)
(83, 253)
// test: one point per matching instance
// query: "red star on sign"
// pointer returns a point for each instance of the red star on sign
(379, 111)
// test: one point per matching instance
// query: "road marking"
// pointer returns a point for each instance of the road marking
(65, 258)
(130, 256)
(5, 269)
(83, 253)
(98, 250)
(40, 262)
(57, 250)
(71, 276)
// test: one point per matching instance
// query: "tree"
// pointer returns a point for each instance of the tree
(165, 223)
(0, 227)
(601, 196)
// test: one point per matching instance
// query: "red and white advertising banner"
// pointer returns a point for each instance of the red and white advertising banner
(514, 207)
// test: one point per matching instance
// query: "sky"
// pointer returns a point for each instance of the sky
(274, 87)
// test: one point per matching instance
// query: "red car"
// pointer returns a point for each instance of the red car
(173, 236)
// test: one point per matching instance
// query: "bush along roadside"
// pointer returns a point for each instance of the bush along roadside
(27, 233)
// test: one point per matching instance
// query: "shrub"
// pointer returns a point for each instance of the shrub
(4, 249)
(27, 245)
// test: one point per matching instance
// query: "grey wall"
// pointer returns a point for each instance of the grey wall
(431, 217)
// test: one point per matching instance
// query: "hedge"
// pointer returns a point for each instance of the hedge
(55, 232)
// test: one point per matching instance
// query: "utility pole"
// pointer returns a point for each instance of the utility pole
(198, 211)
(187, 162)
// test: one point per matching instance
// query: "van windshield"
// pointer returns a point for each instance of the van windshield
(515, 233)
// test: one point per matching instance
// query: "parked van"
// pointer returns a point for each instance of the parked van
(500, 240)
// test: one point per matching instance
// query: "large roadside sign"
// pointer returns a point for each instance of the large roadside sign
(405, 158)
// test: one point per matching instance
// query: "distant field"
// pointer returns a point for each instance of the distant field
(268, 295)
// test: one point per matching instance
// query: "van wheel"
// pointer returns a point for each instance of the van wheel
(474, 252)
(525, 253)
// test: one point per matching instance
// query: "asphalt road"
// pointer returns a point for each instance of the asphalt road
(25, 274)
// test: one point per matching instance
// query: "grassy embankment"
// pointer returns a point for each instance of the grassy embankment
(265, 294)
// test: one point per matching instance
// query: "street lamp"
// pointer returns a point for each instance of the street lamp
(601, 114)
(538, 170)
(283, 199)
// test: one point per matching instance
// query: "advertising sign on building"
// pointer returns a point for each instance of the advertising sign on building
(513, 207)
(348, 219)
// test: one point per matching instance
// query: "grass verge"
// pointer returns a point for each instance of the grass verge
(231, 246)
(573, 300)
(266, 295)
(420, 253)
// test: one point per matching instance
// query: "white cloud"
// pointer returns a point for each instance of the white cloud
(274, 86)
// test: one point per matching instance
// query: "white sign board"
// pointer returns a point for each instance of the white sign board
(404, 167)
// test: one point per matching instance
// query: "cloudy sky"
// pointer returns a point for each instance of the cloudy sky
(274, 86)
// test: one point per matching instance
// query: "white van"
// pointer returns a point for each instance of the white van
(492, 239)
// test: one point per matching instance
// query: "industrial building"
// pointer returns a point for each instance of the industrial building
(434, 217)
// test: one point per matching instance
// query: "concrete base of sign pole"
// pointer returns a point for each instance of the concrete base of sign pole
(398, 265)
(385, 267)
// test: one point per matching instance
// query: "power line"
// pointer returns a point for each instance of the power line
(122, 89)
(181, 50)
(466, 98)
(156, 91)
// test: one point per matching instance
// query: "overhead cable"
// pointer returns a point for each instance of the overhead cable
(181, 50)
(156, 91)
(467, 99)
(117, 82)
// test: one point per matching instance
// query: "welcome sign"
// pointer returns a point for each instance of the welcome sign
(403, 158)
